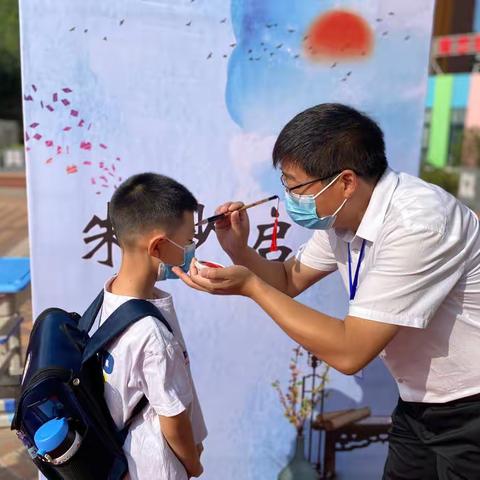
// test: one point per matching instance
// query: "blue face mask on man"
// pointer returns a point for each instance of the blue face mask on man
(303, 210)
(165, 271)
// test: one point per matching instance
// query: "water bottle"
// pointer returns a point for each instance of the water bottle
(57, 443)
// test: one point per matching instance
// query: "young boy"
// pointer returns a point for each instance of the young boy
(152, 216)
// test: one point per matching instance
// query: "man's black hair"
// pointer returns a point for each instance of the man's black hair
(329, 138)
(148, 201)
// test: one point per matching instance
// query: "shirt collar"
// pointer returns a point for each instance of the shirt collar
(377, 208)
(160, 295)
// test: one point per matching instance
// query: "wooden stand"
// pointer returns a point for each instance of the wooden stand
(347, 430)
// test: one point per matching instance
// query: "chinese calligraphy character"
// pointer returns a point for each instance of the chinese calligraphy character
(203, 230)
(263, 236)
(105, 238)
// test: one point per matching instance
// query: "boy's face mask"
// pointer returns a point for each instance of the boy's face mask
(303, 210)
(165, 271)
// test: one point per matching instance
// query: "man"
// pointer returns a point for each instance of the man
(409, 255)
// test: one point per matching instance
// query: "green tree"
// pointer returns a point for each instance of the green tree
(10, 77)
(448, 179)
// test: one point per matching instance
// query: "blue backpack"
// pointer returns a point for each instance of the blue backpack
(62, 392)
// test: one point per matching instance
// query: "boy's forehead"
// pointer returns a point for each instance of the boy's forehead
(188, 221)
(186, 226)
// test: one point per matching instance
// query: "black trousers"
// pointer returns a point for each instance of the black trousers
(435, 441)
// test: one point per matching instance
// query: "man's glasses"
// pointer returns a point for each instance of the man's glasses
(310, 182)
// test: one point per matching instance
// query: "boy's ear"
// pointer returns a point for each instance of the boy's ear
(155, 246)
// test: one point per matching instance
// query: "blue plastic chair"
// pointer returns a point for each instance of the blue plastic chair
(14, 274)
(14, 278)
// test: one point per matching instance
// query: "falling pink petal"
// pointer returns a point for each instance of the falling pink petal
(28, 149)
(34, 125)
(105, 179)
(27, 137)
(67, 90)
(66, 129)
(89, 126)
(34, 88)
(87, 162)
(111, 174)
(65, 101)
(99, 193)
(105, 186)
(119, 179)
(103, 146)
(49, 143)
(50, 108)
(68, 150)
(74, 113)
(37, 136)
(85, 145)
(50, 160)
(101, 164)
(72, 169)
(92, 181)
(81, 123)
(28, 98)
(55, 97)
(118, 159)
(41, 103)
(113, 167)
(59, 150)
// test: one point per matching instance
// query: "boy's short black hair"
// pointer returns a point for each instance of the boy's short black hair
(329, 138)
(147, 201)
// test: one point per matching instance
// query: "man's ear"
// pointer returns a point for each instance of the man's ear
(349, 182)
(156, 245)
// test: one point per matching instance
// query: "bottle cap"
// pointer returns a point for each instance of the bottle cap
(50, 435)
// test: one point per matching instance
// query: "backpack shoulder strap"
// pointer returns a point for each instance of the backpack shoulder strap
(124, 316)
(86, 321)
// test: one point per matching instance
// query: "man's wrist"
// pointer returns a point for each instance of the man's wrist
(240, 257)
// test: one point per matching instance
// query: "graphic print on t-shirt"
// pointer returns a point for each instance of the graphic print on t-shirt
(108, 363)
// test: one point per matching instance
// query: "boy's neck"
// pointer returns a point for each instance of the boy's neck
(135, 279)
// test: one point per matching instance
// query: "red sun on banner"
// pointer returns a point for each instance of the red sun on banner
(339, 35)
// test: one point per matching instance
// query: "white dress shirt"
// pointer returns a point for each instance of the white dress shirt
(420, 270)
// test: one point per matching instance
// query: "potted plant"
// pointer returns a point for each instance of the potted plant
(297, 408)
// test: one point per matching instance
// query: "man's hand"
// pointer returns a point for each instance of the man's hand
(232, 230)
(235, 280)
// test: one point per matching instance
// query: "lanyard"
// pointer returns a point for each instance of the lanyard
(353, 283)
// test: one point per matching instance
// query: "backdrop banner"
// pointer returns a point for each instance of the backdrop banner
(199, 90)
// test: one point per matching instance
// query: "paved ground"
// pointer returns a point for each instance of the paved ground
(15, 463)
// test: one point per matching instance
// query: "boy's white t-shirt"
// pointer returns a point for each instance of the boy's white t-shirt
(148, 360)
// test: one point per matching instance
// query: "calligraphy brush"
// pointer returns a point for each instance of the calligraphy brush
(214, 218)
